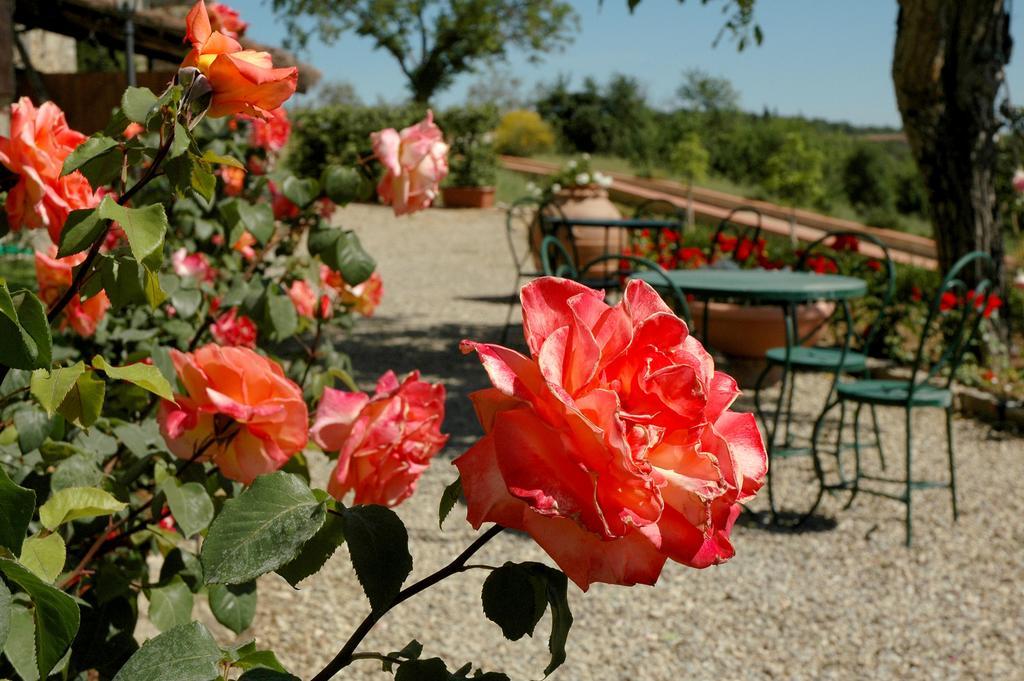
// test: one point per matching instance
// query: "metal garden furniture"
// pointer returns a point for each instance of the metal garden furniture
(946, 336)
(835, 250)
(765, 287)
(731, 232)
(558, 262)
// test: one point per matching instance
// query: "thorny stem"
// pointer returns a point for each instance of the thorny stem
(348, 652)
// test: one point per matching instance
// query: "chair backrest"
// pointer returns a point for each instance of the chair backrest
(730, 235)
(559, 263)
(838, 252)
(522, 231)
(659, 208)
(953, 319)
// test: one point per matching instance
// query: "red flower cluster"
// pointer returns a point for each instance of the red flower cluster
(846, 242)
(821, 264)
(234, 329)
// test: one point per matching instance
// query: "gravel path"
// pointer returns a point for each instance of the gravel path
(841, 600)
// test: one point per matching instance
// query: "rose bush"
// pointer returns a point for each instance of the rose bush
(189, 316)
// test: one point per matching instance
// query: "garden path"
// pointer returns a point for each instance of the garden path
(843, 600)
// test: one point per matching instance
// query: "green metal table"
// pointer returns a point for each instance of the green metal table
(768, 287)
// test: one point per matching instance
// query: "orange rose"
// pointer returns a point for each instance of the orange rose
(384, 442)
(244, 245)
(40, 141)
(54, 276)
(240, 406)
(612, 444)
(364, 298)
(243, 81)
(233, 179)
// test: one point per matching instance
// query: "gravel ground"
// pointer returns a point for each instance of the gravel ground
(842, 599)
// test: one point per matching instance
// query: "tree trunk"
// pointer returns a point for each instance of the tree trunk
(947, 69)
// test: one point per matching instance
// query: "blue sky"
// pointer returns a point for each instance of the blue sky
(821, 58)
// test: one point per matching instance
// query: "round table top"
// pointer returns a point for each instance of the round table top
(766, 286)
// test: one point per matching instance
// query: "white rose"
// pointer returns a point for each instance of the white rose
(556, 187)
(583, 178)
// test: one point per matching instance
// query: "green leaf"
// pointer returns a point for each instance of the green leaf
(301, 192)
(5, 613)
(51, 387)
(186, 301)
(234, 605)
(25, 330)
(258, 219)
(181, 141)
(379, 546)
(170, 605)
(343, 184)
(91, 150)
(556, 586)
(451, 495)
(55, 615)
(18, 505)
(145, 228)
(81, 229)
(279, 318)
(84, 402)
(138, 103)
(77, 502)
(146, 376)
(430, 669)
(184, 564)
(44, 556)
(190, 505)
(78, 470)
(20, 648)
(33, 426)
(316, 552)
(262, 529)
(514, 599)
(267, 675)
(220, 160)
(341, 251)
(258, 659)
(184, 653)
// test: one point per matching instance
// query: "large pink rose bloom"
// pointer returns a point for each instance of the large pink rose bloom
(240, 406)
(612, 444)
(40, 141)
(384, 442)
(54, 276)
(415, 161)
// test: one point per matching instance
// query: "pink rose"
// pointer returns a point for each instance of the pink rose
(1018, 180)
(54, 276)
(303, 297)
(193, 265)
(384, 442)
(234, 329)
(240, 406)
(415, 161)
(612, 444)
(226, 20)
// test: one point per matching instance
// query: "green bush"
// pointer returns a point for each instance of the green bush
(472, 161)
(523, 133)
(341, 134)
(869, 178)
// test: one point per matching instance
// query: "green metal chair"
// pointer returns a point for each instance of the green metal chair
(946, 336)
(848, 357)
(522, 244)
(729, 229)
(558, 262)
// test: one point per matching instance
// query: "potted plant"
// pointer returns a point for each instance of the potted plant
(473, 163)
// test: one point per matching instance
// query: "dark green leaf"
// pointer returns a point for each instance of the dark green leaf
(81, 229)
(315, 552)
(279, 316)
(452, 493)
(5, 613)
(267, 675)
(184, 564)
(25, 330)
(91, 149)
(354, 263)
(262, 529)
(181, 141)
(301, 192)
(84, 402)
(260, 659)
(556, 585)
(170, 604)
(190, 505)
(78, 470)
(258, 219)
(17, 506)
(186, 301)
(379, 546)
(431, 669)
(137, 103)
(20, 648)
(234, 605)
(51, 387)
(145, 228)
(514, 600)
(33, 426)
(343, 184)
(185, 653)
(55, 615)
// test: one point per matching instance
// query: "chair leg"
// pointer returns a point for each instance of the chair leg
(787, 440)
(839, 442)
(511, 308)
(757, 395)
(952, 461)
(878, 436)
(856, 455)
(910, 477)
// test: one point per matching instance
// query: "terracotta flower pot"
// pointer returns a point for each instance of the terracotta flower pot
(590, 202)
(468, 197)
